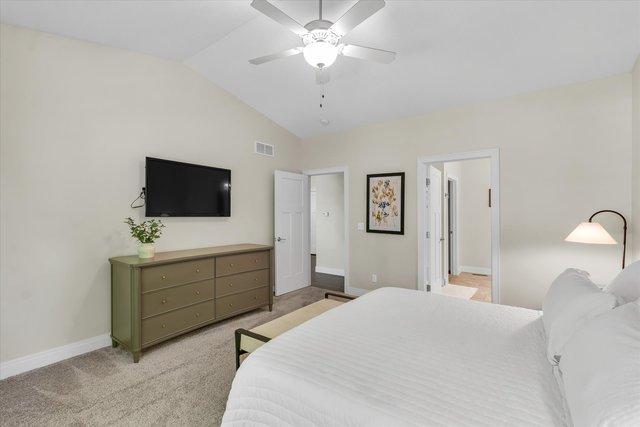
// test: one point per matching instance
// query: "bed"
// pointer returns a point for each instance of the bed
(403, 357)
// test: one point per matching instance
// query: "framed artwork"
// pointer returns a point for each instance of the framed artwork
(385, 203)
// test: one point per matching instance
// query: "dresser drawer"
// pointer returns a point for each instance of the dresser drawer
(175, 297)
(240, 302)
(234, 264)
(175, 274)
(241, 282)
(155, 328)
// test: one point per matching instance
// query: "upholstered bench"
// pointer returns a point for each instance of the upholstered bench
(248, 341)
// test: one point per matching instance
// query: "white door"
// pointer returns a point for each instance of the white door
(434, 229)
(291, 231)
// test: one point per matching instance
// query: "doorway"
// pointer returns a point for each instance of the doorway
(328, 231)
(458, 225)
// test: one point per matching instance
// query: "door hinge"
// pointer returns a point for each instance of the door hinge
(428, 288)
(428, 182)
(428, 235)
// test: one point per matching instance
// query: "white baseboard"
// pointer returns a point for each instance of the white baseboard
(475, 270)
(48, 357)
(329, 270)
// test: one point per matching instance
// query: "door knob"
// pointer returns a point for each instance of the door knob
(280, 239)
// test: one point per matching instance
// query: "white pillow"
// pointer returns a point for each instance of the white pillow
(626, 285)
(601, 369)
(571, 300)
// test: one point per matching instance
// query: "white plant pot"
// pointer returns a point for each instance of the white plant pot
(146, 250)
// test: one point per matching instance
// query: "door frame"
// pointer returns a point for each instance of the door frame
(454, 248)
(423, 162)
(344, 170)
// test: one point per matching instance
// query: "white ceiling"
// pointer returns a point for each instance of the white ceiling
(449, 53)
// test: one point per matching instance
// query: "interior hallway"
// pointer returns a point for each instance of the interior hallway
(481, 282)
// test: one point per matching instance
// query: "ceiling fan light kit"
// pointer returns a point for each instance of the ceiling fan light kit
(320, 54)
(322, 38)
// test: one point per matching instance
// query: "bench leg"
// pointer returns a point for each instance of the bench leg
(238, 338)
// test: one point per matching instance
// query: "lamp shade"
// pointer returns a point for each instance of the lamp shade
(590, 232)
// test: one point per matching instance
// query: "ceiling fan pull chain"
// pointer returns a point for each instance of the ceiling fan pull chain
(323, 104)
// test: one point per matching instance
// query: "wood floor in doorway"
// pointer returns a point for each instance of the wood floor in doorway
(480, 282)
(325, 281)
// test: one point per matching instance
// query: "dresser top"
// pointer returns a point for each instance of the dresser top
(189, 254)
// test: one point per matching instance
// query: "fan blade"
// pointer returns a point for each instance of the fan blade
(368, 53)
(284, 54)
(279, 16)
(322, 76)
(354, 16)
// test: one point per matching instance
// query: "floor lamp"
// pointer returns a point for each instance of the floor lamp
(594, 233)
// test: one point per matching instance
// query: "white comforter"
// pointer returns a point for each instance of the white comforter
(400, 357)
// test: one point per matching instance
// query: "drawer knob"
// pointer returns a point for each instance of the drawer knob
(230, 305)
(197, 314)
(197, 270)
(164, 277)
(197, 292)
(231, 285)
(164, 326)
(230, 264)
(255, 297)
(256, 260)
(164, 300)
(255, 279)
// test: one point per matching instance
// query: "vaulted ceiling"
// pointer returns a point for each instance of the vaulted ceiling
(449, 53)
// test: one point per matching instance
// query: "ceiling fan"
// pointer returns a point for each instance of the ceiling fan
(322, 39)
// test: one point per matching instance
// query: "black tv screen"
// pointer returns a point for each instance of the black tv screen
(183, 189)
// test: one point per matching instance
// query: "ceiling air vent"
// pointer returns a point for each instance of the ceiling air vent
(264, 149)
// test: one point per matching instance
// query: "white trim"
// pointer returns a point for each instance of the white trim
(344, 170)
(422, 162)
(475, 270)
(48, 357)
(329, 270)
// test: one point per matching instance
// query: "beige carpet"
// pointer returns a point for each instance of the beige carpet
(457, 291)
(184, 381)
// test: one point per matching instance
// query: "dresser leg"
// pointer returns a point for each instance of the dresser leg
(114, 343)
(136, 356)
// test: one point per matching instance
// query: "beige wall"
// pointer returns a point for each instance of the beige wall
(78, 120)
(474, 181)
(564, 154)
(635, 177)
(329, 228)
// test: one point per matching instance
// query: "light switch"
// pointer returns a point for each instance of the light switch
(360, 226)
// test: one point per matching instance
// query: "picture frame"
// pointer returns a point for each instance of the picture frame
(385, 203)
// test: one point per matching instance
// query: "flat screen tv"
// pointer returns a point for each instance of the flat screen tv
(184, 189)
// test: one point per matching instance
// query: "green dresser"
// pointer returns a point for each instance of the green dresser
(153, 300)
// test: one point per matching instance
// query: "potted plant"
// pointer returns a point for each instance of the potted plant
(147, 232)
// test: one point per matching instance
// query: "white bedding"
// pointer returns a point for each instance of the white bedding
(400, 357)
